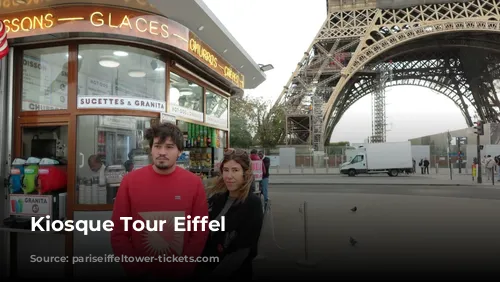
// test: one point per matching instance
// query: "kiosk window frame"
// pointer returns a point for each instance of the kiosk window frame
(69, 116)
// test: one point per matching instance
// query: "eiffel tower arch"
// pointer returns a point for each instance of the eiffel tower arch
(452, 47)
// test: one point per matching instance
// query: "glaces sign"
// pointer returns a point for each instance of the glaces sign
(6, 5)
(102, 19)
(81, 19)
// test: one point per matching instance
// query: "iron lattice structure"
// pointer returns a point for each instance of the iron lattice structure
(379, 115)
(451, 48)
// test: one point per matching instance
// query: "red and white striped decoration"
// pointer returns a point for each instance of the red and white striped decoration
(4, 46)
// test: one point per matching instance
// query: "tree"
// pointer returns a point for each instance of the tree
(243, 119)
(340, 144)
(252, 123)
(271, 127)
(240, 137)
(337, 148)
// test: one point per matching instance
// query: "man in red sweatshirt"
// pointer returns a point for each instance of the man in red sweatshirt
(161, 191)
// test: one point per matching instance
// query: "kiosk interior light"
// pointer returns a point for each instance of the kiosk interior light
(79, 56)
(186, 92)
(120, 53)
(137, 73)
(160, 69)
(109, 62)
(21, 1)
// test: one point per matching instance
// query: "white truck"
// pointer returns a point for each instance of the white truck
(391, 158)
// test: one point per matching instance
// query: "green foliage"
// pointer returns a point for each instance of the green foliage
(337, 148)
(340, 144)
(240, 137)
(243, 122)
(271, 127)
(253, 124)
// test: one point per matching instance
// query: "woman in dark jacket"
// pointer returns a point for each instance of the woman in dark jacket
(236, 246)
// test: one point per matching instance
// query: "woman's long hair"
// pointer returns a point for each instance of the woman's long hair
(242, 158)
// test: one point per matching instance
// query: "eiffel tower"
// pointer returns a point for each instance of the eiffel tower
(451, 47)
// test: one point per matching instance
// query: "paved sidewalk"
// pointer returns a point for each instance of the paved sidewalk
(382, 179)
(336, 170)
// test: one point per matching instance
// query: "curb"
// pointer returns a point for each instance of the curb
(378, 184)
(338, 174)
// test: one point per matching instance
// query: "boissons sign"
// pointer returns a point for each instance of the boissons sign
(112, 20)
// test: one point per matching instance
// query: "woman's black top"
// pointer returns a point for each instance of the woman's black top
(237, 246)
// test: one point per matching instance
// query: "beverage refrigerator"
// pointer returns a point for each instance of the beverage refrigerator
(204, 149)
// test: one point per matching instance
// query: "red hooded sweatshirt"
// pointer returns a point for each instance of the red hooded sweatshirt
(146, 195)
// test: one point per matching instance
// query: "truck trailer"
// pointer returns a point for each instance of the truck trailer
(373, 158)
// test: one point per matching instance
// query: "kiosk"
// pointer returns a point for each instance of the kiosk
(81, 84)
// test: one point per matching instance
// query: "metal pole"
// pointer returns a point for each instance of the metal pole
(436, 161)
(306, 262)
(448, 151)
(493, 175)
(306, 253)
(451, 168)
(479, 176)
(459, 140)
(449, 164)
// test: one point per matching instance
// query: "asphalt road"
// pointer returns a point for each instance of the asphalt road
(471, 192)
(380, 179)
(419, 232)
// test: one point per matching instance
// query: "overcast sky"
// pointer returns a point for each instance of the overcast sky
(280, 31)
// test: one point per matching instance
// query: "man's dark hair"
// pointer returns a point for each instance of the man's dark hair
(94, 158)
(164, 131)
(253, 151)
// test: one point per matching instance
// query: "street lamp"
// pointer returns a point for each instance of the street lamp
(265, 68)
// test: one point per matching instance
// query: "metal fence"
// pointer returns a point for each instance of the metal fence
(334, 156)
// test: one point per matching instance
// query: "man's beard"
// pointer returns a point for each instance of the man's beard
(163, 166)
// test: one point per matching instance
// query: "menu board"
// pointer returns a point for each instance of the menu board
(217, 110)
(45, 85)
(181, 111)
(124, 90)
(98, 87)
(187, 103)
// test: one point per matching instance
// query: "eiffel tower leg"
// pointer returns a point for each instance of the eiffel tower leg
(356, 35)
